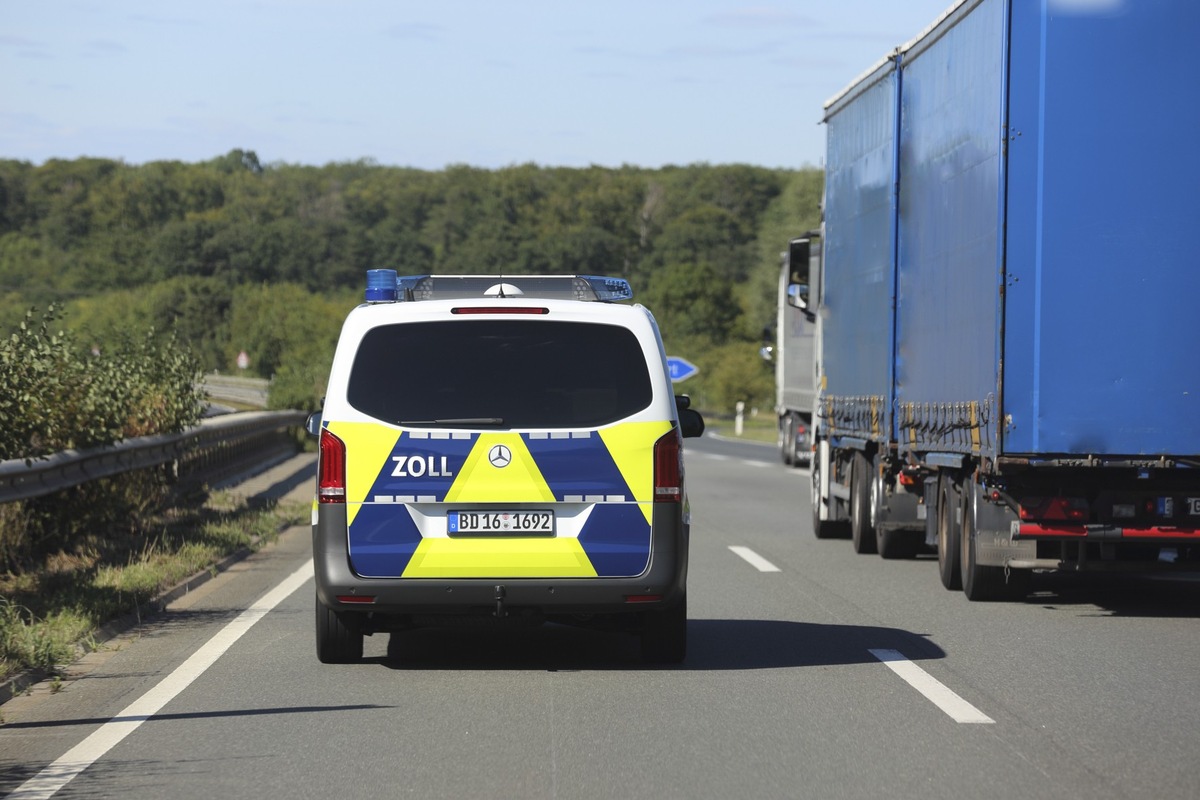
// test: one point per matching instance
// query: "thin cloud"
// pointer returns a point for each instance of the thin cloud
(104, 47)
(19, 41)
(165, 21)
(714, 51)
(25, 48)
(760, 17)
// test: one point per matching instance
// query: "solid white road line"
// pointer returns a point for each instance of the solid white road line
(83, 755)
(755, 560)
(934, 690)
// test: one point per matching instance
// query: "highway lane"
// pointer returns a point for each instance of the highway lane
(784, 694)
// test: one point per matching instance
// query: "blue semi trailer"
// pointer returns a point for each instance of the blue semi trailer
(1007, 338)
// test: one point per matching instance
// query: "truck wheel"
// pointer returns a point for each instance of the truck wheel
(664, 634)
(822, 528)
(861, 532)
(337, 642)
(787, 444)
(894, 544)
(948, 535)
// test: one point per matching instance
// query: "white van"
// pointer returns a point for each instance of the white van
(500, 448)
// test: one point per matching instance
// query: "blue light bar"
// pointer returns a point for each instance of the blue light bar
(609, 290)
(381, 286)
(384, 286)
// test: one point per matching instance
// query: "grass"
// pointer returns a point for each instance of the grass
(48, 613)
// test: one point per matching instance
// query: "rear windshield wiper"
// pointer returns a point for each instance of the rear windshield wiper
(454, 421)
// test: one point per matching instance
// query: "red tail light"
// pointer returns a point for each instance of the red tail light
(668, 468)
(331, 469)
(1072, 509)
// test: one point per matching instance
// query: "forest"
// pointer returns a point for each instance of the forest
(232, 255)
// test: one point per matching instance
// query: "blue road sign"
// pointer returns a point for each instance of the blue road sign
(681, 369)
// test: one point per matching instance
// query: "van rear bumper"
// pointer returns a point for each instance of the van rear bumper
(339, 588)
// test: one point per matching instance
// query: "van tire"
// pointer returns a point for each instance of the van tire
(337, 641)
(664, 634)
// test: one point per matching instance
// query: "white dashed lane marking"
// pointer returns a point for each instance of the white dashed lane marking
(754, 559)
(934, 690)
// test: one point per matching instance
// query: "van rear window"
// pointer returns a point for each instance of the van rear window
(503, 373)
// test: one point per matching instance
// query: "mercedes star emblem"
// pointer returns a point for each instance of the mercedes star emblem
(500, 456)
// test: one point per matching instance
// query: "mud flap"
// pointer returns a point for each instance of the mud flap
(995, 524)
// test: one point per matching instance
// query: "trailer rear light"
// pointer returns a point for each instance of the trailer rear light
(1067, 509)
(668, 468)
(331, 469)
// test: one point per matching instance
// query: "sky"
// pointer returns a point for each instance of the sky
(429, 83)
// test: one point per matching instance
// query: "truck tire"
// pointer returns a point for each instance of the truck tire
(861, 531)
(895, 544)
(948, 536)
(822, 528)
(787, 442)
(337, 642)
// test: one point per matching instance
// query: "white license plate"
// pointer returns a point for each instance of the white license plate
(518, 523)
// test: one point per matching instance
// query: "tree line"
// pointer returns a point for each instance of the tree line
(231, 255)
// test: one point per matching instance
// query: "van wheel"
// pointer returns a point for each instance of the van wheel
(949, 539)
(861, 532)
(664, 634)
(337, 641)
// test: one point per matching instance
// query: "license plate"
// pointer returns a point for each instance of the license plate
(512, 523)
(1194, 506)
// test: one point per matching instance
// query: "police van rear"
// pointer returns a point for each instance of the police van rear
(500, 449)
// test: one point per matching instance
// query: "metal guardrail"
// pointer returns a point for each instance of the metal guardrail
(236, 389)
(215, 448)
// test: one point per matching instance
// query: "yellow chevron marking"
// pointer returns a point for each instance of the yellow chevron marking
(631, 446)
(499, 558)
(480, 482)
(368, 448)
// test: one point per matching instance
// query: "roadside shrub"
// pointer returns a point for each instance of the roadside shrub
(58, 397)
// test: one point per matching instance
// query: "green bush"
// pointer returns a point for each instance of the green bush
(58, 396)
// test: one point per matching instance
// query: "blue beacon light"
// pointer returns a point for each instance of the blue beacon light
(381, 286)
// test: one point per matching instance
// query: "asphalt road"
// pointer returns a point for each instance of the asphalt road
(812, 672)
